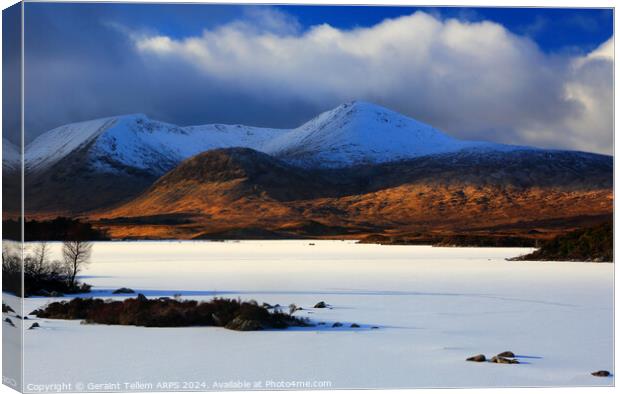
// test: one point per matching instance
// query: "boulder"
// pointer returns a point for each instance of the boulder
(123, 290)
(320, 304)
(507, 353)
(34, 325)
(504, 360)
(9, 321)
(6, 308)
(142, 298)
(477, 358)
(374, 328)
(601, 373)
(355, 325)
(337, 324)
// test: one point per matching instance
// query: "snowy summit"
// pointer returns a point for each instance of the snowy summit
(354, 133)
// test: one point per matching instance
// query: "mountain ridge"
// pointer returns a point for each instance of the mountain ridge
(353, 133)
(356, 151)
(239, 191)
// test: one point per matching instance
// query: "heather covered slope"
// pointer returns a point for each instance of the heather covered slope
(233, 189)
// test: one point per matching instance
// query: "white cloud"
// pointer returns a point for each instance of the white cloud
(474, 80)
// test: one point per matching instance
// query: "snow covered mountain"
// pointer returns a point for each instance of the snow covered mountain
(134, 141)
(363, 133)
(95, 165)
(353, 133)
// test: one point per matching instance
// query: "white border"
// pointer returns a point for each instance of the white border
(431, 3)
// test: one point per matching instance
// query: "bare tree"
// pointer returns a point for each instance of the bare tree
(76, 254)
(37, 264)
(10, 258)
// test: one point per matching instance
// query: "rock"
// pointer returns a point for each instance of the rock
(267, 306)
(34, 325)
(337, 324)
(477, 358)
(9, 321)
(56, 294)
(123, 290)
(240, 324)
(142, 298)
(320, 304)
(503, 360)
(374, 328)
(601, 373)
(6, 308)
(355, 325)
(507, 353)
(25, 317)
(18, 317)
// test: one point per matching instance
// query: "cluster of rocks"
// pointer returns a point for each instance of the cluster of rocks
(323, 304)
(7, 309)
(509, 357)
(506, 357)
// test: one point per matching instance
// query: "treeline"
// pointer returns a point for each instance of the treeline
(59, 229)
(589, 244)
(42, 275)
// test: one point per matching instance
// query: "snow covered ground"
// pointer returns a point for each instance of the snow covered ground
(433, 306)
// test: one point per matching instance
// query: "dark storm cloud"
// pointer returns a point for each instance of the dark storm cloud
(259, 66)
(81, 65)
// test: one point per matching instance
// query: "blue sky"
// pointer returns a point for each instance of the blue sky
(191, 64)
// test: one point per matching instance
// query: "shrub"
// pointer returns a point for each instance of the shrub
(139, 311)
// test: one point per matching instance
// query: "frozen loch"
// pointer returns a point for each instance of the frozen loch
(433, 308)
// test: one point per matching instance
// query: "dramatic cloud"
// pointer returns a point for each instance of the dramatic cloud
(475, 80)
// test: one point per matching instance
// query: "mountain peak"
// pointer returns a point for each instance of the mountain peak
(360, 132)
(361, 105)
